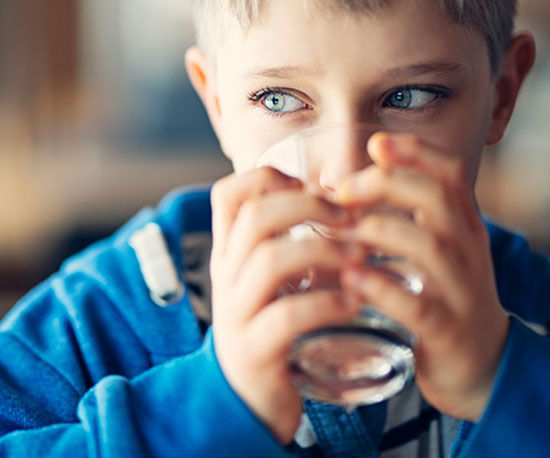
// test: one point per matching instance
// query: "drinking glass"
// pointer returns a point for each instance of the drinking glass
(370, 358)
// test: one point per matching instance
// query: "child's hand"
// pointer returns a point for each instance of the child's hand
(253, 329)
(458, 318)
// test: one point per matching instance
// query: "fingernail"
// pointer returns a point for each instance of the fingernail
(387, 141)
(380, 141)
(404, 144)
(345, 191)
(394, 145)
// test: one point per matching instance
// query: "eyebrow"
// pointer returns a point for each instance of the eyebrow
(286, 72)
(438, 68)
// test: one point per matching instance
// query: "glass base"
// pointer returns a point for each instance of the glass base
(351, 365)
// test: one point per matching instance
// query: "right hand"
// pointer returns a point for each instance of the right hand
(253, 328)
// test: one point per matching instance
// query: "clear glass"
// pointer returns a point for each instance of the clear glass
(371, 358)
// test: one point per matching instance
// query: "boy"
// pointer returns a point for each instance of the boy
(112, 355)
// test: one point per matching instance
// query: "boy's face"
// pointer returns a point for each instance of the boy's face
(405, 68)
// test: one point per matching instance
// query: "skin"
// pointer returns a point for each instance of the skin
(423, 158)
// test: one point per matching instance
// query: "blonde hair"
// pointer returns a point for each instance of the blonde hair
(494, 19)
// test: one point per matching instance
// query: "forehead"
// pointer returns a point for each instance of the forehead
(299, 34)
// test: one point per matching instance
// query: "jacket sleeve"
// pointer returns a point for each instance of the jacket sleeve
(522, 276)
(77, 381)
(515, 421)
(183, 407)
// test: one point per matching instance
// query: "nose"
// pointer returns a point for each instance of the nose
(344, 151)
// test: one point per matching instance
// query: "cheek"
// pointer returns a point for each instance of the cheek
(469, 135)
(246, 133)
(462, 133)
(239, 142)
(465, 140)
(243, 143)
(466, 145)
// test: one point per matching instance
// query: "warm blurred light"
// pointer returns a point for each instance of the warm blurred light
(97, 118)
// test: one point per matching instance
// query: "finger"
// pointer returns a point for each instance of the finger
(289, 317)
(229, 193)
(263, 216)
(276, 260)
(422, 315)
(410, 151)
(417, 247)
(433, 204)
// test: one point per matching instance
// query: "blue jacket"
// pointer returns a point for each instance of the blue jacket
(91, 366)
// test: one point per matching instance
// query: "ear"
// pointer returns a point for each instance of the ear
(516, 66)
(203, 80)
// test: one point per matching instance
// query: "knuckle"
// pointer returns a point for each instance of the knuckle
(265, 175)
(220, 185)
(220, 189)
(268, 253)
(323, 250)
(280, 316)
(249, 339)
(251, 210)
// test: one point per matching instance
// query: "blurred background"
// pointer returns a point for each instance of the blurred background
(98, 119)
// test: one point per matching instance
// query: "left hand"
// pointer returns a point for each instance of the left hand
(458, 318)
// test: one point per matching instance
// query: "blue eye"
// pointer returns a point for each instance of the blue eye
(409, 98)
(278, 102)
